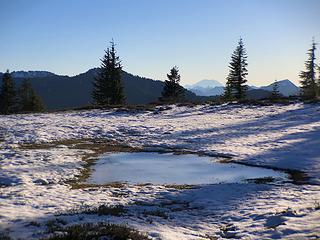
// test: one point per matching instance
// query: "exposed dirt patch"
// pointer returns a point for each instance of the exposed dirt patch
(297, 177)
(95, 147)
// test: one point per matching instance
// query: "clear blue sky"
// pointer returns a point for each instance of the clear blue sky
(69, 36)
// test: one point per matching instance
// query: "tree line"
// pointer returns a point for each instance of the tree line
(16, 100)
(108, 87)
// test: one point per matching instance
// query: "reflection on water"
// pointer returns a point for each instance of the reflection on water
(156, 168)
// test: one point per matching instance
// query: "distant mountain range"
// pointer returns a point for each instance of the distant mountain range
(64, 92)
(205, 84)
(206, 88)
(285, 87)
(31, 74)
(215, 88)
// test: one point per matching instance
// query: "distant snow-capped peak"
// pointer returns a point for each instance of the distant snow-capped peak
(206, 83)
(285, 87)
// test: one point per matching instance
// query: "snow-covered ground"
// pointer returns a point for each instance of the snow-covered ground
(288, 137)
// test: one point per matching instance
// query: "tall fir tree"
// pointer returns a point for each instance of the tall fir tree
(7, 95)
(28, 100)
(308, 77)
(172, 90)
(236, 87)
(107, 86)
(275, 94)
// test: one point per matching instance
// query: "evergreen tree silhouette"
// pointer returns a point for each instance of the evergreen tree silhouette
(172, 91)
(236, 87)
(8, 99)
(308, 77)
(107, 86)
(29, 101)
(275, 94)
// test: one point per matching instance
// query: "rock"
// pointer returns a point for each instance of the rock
(229, 234)
(41, 181)
(154, 235)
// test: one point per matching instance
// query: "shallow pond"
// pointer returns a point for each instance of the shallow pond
(156, 168)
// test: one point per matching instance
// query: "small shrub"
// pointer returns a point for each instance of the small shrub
(34, 223)
(98, 231)
(116, 210)
(157, 213)
(55, 225)
(263, 180)
(181, 186)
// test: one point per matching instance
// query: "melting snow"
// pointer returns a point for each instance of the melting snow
(34, 189)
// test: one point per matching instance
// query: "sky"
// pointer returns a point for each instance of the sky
(69, 37)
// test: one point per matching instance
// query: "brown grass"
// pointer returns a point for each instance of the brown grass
(97, 148)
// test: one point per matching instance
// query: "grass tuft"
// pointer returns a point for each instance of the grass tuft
(116, 210)
(263, 180)
(98, 231)
(181, 186)
(157, 213)
(55, 225)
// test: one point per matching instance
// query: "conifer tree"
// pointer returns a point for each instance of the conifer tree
(107, 87)
(36, 103)
(275, 94)
(172, 90)
(7, 95)
(29, 101)
(308, 77)
(236, 87)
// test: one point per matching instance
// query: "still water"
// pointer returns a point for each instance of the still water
(156, 168)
